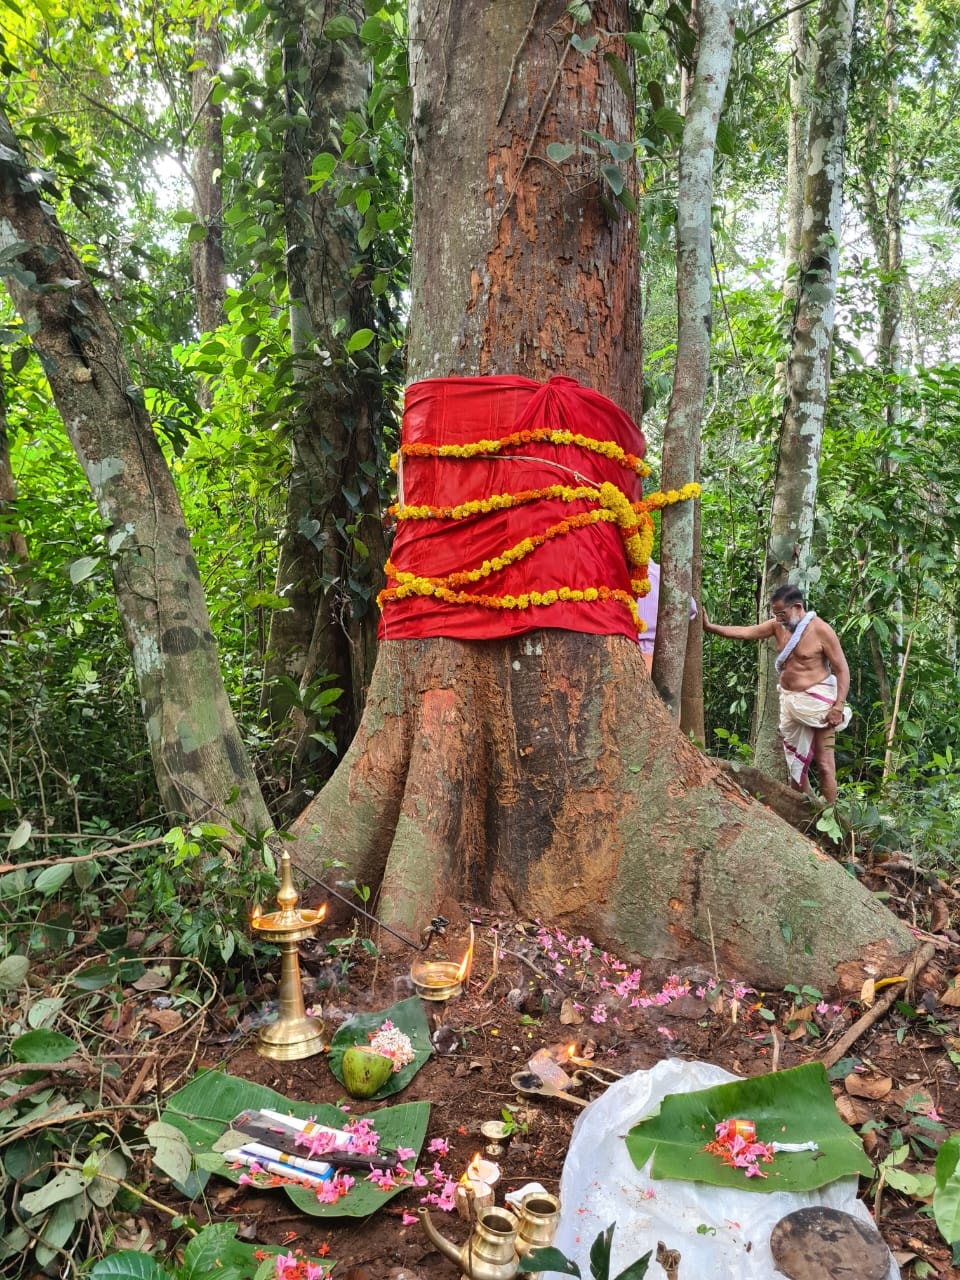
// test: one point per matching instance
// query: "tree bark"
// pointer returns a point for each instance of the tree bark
(768, 751)
(808, 365)
(199, 758)
(542, 773)
(333, 543)
(681, 436)
(206, 255)
(13, 545)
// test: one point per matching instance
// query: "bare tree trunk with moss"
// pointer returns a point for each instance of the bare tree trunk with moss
(333, 542)
(681, 436)
(206, 136)
(542, 774)
(811, 338)
(768, 750)
(198, 755)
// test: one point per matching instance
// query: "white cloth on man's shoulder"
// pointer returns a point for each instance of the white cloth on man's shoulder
(794, 640)
(802, 711)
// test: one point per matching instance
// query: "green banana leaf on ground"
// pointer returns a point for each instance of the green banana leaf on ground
(200, 1112)
(786, 1106)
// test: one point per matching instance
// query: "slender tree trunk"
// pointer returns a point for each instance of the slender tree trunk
(681, 436)
(13, 545)
(206, 255)
(333, 543)
(768, 751)
(808, 365)
(542, 773)
(199, 758)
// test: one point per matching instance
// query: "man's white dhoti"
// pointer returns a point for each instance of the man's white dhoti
(801, 713)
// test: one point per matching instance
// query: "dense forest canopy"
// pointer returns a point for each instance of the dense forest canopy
(104, 102)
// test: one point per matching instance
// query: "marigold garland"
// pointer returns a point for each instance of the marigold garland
(424, 587)
(632, 519)
(539, 435)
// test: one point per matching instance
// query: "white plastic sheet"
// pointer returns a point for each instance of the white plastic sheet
(719, 1232)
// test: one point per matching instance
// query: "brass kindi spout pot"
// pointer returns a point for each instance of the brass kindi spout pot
(489, 1254)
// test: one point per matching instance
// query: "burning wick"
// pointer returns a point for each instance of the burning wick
(255, 917)
(475, 1189)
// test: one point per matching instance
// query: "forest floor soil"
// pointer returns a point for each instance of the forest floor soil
(898, 1083)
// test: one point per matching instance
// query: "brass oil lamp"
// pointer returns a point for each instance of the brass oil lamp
(441, 979)
(293, 1034)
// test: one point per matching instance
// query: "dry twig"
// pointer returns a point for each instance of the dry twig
(919, 962)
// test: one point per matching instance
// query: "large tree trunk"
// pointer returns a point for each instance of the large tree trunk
(333, 547)
(199, 758)
(542, 773)
(681, 436)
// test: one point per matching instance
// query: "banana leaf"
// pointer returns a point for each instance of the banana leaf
(203, 1109)
(408, 1017)
(786, 1106)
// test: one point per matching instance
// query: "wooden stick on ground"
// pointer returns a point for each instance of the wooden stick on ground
(919, 962)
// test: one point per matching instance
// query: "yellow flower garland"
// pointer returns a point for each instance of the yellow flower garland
(632, 519)
(539, 435)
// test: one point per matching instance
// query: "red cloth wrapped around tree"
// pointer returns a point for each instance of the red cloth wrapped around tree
(556, 543)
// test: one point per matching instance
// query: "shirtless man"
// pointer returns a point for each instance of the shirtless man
(813, 683)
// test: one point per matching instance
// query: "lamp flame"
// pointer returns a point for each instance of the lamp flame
(473, 1168)
(466, 963)
(255, 916)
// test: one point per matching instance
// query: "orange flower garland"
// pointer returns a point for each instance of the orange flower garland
(540, 435)
(633, 521)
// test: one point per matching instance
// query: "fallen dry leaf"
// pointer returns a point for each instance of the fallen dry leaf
(165, 1019)
(153, 979)
(868, 993)
(868, 1086)
(852, 1111)
(951, 997)
(570, 1015)
(795, 1025)
(939, 916)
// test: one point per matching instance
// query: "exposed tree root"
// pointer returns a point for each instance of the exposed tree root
(542, 776)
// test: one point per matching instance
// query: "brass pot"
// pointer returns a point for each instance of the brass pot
(489, 1254)
(539, 1219)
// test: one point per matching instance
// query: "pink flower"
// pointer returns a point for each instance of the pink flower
(409, 1219)
(405, 1153)
(598, 1013)
(439, 1147)
(447, 1196)
(667, 1033)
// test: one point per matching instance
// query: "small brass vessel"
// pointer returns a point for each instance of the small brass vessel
(293, 1035)
(441, 979)
(539, 1220)
(489, 1254)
